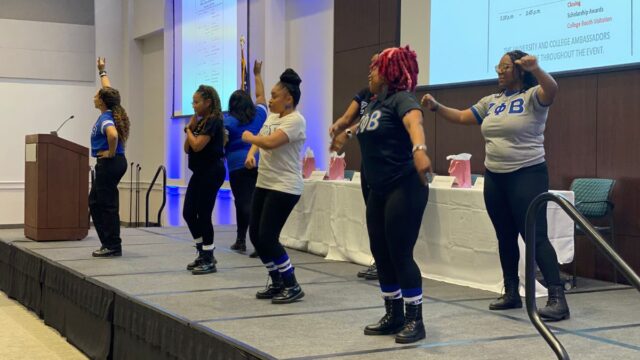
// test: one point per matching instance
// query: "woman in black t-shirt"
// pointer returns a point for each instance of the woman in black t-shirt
(204, 145)
(392, 142)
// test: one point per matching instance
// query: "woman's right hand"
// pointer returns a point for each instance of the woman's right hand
(101, 63)
(193, 122)
(429, 102)
(250, 162)
(338, 141)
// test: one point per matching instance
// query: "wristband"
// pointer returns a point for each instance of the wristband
(102, 73)
(419, 147)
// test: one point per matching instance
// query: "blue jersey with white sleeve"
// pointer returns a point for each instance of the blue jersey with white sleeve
(99, 140)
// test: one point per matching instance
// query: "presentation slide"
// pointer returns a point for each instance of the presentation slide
(467, 38)
(207, 50)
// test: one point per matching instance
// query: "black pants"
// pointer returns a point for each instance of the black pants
(243, 183)
(269, 212)
(364, 185)
(200, 199)
(393, 222)
(104, 201)
(507, 197)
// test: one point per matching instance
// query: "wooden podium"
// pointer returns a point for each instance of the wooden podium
(56, 194)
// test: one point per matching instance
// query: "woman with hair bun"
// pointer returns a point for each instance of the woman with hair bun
(108, 138)
(279, 185)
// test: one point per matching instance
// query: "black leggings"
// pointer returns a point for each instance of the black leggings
(269, 212)
(507, 197)
(104, 201)
(243, 183)
(393, 222)
(200, 199)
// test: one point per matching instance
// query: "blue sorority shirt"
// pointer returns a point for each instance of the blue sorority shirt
(99, 140)
(236, 149)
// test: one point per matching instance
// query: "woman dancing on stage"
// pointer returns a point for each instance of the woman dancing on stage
(512, 123)
(279, 185)
(392, 142)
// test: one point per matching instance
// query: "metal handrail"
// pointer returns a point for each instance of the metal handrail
(530, 284)
(164, 195)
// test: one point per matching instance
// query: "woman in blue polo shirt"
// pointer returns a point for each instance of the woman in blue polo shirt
(243, 115)
(108, 137)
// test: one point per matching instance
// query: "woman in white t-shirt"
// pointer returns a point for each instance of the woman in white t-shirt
(279, 185)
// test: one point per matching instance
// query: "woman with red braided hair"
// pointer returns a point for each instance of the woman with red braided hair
(395, 161)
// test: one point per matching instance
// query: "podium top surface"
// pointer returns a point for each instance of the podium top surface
(58, 141)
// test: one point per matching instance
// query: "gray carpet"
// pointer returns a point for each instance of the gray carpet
(328, 322)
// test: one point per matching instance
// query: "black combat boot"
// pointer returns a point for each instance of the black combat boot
(392, 322)
(557, 308)
(413, 329)
(510, 299)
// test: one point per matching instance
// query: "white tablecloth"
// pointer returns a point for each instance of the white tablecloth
(457, 242)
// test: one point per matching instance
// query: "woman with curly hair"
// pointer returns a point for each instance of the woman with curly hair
(512, 122)
(204, 145)
(395, 162)
(108, 138)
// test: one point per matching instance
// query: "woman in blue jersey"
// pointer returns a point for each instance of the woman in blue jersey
(243, 115)
(512, 123)
(108, 138)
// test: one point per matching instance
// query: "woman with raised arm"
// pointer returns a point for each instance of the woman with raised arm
(512, 123)
(204, 145)
(108, 137)
(394, 153)
(279, 185)
(243, 115)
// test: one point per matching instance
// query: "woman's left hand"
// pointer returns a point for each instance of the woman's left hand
(528, 63)
(423, 165)
(104, 154)
(247, 136)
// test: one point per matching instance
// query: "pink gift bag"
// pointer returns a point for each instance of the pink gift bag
(336, 167)
(308, 164)
(460, 168)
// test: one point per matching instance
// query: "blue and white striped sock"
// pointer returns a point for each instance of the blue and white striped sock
(412, 296)
(284, 266)
(390, 292)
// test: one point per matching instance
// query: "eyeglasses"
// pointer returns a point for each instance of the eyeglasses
(503, 68)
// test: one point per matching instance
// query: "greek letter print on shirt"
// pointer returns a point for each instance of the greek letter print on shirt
(513, 127)
(384, 141)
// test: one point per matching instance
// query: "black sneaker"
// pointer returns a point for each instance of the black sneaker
(270, 291)
(370, 273)
(192, 265)
(204, 267)
(105, 252)
(239, 246)
(288, 295)
(254, 254)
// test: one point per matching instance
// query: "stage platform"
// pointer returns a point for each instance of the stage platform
(146, 305)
